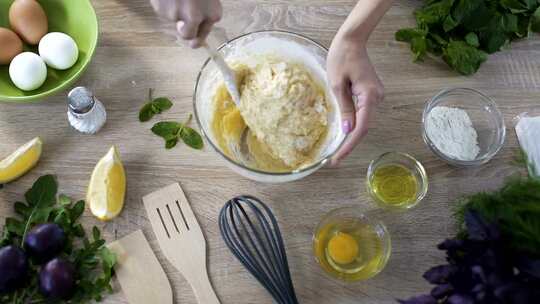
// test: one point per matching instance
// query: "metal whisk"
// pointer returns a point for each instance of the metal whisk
(251, 232)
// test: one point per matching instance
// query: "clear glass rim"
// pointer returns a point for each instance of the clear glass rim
(313, 166)
(418, 167)
(457, 162)
(376, 223)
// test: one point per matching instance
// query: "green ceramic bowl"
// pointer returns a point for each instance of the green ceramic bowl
(76, 18)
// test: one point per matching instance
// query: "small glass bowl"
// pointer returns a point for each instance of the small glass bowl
(410, 163)
(485, 116)
(349, 218)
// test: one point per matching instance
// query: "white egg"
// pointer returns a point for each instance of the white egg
(28, 71)
(58, 50)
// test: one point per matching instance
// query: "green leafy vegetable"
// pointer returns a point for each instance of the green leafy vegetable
(465, 31)
(94, 262)
(172, 132)
(516, 208)
(153, 107)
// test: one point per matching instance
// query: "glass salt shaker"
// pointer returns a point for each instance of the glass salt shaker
(85, 112)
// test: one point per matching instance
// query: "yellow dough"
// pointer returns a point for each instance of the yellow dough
(284, 108)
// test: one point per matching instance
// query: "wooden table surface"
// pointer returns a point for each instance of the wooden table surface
(136, 51)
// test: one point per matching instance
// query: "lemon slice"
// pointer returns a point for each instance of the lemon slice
(20, 161)
(107, 187)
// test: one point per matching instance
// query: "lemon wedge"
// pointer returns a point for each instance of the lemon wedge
(107, 187)
(20, 161)
(343, 248)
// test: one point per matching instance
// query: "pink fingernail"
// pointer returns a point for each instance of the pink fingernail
(346, 126)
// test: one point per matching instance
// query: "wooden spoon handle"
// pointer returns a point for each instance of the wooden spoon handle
(204, 291)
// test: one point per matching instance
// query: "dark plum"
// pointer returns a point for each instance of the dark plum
(57, 279)
(13, 268)
(44, 242)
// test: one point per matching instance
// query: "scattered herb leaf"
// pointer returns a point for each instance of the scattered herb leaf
(172, 132)
(153, 107)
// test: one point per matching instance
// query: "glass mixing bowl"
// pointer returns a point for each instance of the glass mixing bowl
(293, 47)
(485, 116)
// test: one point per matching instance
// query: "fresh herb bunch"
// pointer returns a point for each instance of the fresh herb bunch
(93, 261)
(154, 106)
(481, 269)
(516, 210)
(464, 32)
(173, 131)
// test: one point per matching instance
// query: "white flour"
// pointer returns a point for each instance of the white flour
(452, 132)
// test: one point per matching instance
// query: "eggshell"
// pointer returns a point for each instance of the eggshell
(58, 50)
(11, 45)
(27, 18)
(28, 71)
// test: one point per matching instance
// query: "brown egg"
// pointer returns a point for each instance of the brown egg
(27, 18)
(11, 45)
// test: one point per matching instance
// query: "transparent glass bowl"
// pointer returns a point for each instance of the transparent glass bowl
(349, 218)
(410, 163)
(293, 47)
(485, 116)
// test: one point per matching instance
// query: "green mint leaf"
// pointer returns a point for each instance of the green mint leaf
(22, 209)
(515, 6)
(449, 23)
(154, 106)
(64, 200)
(463, 58)
(191, 138)
(171, 143)
(419, 48)
(14, 226)
(76, 211)
(162, 104)
(535, 21)
(434, 12)
(408, 34)
(166, 129)
(43, 192)
(472, 39)
(147, 112)
(96, 234)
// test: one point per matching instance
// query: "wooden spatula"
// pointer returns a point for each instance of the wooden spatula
(140, 275)
(180, 238)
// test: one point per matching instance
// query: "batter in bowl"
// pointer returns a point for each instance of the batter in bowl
(284, 108)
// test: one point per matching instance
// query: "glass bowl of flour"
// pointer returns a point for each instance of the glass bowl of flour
(463, 127)
(248, 49)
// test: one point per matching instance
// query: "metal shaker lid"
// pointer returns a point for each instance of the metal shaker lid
(80, 100)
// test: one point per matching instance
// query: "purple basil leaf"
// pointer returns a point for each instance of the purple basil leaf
(451, 244)
(480, 230)
(513, 293)
(529, 266)
(439, 274)
(423, 299)
(460, 299)
(478, 273)
(441, 291)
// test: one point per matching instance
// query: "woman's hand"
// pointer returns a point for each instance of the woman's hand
(352, 76)
(194, 18)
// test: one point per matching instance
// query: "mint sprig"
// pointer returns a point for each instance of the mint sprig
(154, 106)
(172, 132)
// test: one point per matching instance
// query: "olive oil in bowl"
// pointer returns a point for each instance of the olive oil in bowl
(351, 247)
(397, 180)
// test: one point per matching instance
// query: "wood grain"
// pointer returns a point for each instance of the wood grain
(137, 51)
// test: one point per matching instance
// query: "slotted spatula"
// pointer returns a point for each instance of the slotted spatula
(180, 238)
